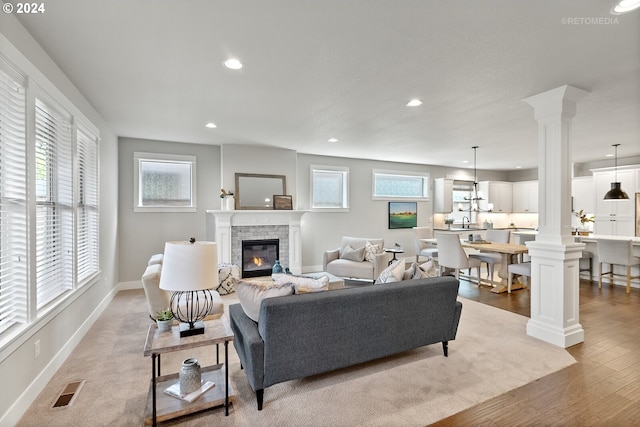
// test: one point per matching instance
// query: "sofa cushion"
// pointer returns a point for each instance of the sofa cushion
(413, 272)
(251, 294)
(348, 268)
(352, 254)
(303, 284)
(371, 250)
(393, 273)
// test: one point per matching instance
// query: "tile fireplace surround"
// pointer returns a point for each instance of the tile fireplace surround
(228, 228)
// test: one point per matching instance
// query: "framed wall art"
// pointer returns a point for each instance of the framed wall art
(283, 202)
(403, 214)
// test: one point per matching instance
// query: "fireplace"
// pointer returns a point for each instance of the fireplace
(258, 256)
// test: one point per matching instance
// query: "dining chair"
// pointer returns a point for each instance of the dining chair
(616, 252)
(521, 239)
(521, 268)
(422, 248)
(493, 258)
(452, 255)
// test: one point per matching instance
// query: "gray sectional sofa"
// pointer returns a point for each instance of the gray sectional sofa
(301, 335)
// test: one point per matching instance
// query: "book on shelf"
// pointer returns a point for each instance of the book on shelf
(174, 390)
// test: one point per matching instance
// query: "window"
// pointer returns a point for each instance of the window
(49, 201)
(54, 202)
(400, 185)
(329, 188)
(13, 199)
(87, 209)
(165, 183)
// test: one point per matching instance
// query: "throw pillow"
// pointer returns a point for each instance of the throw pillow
(393, 273)
(428, 268)
(371, 250)
(413, 272)
(352, 254)
(228, 276)
(251, 294)
(303, 284)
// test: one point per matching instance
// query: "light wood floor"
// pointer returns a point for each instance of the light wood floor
(602, 389)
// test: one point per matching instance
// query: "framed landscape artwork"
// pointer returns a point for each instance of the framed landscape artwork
(403, 214)
(282, 202)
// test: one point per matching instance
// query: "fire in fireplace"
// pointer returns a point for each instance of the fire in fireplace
(258, 256)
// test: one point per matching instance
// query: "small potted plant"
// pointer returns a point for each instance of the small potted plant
(164, 320)
(583, 220)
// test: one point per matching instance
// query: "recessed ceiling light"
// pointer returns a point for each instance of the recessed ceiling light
(414, 103)
(333, 140)
(211, 125)
(609, 155)
(233, 64)
(518, 167)
(624, 6)
(465, 161)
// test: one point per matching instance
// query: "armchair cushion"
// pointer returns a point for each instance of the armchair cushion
(371, 250)
(352, 254)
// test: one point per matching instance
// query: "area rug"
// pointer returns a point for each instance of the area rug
(491, 355)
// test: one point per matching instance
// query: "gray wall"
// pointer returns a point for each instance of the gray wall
(23, 375)
(143, 234)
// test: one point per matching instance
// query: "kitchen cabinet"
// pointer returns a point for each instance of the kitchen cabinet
(443, 195)
(499, 193)
(614, 217)
(525, 196)
(583, 194)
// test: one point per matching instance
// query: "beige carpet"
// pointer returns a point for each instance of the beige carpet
(491, 355)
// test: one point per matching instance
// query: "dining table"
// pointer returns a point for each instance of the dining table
(509, 253)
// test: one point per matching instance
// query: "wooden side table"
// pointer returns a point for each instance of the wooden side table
(162, 407)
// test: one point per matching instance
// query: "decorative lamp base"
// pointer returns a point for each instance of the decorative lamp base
(187, 331)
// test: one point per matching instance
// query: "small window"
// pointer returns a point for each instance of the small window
(329, 188)
(165, 183)
(399, 185)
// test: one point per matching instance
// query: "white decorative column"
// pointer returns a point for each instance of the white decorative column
(554, 254)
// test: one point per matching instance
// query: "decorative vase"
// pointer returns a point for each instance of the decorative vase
(277, 268)
(230, 203)
(190, 375)
(223, 204)
(164, 325)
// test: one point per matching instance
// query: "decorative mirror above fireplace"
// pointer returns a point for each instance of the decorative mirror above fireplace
(256, 191)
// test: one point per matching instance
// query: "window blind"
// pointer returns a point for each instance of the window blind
(54, 202)
(13, 199)
(87, 212)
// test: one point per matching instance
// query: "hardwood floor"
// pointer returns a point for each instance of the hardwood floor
(602, 389)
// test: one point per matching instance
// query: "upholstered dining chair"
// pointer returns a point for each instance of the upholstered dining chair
(493, 258)
(616, 252)
(521, 268)
(422, 248)
(452, 255)
(521, 239)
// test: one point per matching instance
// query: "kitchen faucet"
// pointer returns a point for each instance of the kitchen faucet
(468, 221)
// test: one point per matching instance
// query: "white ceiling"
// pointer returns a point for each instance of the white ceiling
(346, 68)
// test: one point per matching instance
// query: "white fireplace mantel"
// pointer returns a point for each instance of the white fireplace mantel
(219, 224)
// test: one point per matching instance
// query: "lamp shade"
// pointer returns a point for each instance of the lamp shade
(616, 192)
(189, 266)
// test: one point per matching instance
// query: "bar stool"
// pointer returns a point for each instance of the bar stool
(616, 252)
(588, 256)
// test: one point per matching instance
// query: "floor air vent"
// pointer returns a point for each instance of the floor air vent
(68, 394)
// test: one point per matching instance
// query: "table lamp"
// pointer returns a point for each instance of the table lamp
(190, 271)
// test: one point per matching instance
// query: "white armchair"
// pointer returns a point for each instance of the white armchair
(364, 264)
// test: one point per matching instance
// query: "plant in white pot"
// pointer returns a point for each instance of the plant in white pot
(164, 320)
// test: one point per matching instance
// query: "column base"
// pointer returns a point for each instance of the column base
(564, 338)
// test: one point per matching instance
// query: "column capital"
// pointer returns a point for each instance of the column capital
(553, 103)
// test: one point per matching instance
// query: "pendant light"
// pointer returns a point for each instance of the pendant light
(616, 192)
(476, 196)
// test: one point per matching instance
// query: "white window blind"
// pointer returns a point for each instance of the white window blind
(87, 212)
(329, 187)
(13, 199)
(54, 203)
(400, 185)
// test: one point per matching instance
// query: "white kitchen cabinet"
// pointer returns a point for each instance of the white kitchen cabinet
(583, 194)
(499, 193)
(614, 217)
(443, 195)
(525, 196)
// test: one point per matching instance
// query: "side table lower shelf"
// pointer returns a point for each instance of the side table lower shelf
(169, 407)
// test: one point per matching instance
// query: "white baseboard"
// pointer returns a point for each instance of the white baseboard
(125, 286)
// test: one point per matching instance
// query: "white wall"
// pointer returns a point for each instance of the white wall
(23, 375)
(142, 234)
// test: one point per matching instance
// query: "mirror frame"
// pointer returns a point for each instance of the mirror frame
(257, 176)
